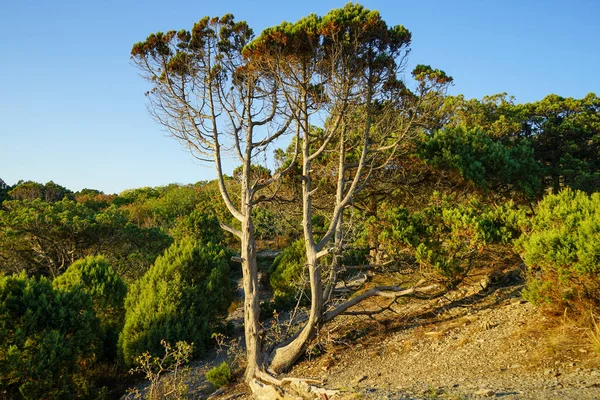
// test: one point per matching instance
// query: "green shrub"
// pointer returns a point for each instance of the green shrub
(48, 339)
(183, 297)
(219, 376)
(562, 251)
(288, 272)
(201, 226)
(445, 238)
(107, 290)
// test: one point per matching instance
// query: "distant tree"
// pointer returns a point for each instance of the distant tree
(94, 199)
(159, 206)
(54, 192)
(29, 190)
(4, 189)
(48, 340)
(45, 238)
(566, 138)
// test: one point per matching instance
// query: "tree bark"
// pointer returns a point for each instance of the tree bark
(251, 300)
(285, 356)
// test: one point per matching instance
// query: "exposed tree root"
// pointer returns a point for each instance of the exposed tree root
(290, 389)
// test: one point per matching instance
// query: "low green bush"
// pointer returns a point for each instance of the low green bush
(288, 273)
(48, 340)
(183, 297)
(107, 290)
(562, 252)
(445, 237)
(219, 376)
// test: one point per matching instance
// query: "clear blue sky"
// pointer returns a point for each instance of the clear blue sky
(72, 108)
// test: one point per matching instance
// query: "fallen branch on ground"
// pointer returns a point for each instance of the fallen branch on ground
(382, 291)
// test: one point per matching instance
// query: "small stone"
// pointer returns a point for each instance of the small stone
(485, 392)
(515, 366)
(547, 372)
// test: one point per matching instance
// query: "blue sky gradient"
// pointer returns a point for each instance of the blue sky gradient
(72, 107)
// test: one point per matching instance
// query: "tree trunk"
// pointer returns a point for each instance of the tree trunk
(251, 301)
(373, 233)
(285, 356)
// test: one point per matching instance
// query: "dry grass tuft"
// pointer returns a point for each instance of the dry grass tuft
(559, 338)
(594, 338)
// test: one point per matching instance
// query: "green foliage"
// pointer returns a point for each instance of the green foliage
(486, 162)
(563, 132)
(107, 290)
(258, 173)
(182, 297)
(566, 138)
(219, 376)
(159, 206)
(48, 339)
(266, 223)
(43, 237)
(94, 199)
(562, 251)
(200, 226)
(29, 190)
(4, 189)
(446, 237)
(288, 272)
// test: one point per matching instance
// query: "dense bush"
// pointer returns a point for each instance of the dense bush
(200, 226)
(48, 339)
(288, 272)
(107, 290)
(562, 251)
(445, 238)
(219, 376)
(182, 297)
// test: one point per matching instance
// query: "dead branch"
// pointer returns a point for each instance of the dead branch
(383, 291)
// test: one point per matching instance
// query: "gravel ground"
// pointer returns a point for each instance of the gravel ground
(480, 342)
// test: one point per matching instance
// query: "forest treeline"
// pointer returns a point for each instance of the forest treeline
(90, 278)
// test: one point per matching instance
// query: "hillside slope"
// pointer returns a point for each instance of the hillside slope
(481, 341)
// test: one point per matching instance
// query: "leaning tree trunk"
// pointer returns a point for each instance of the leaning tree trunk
(285, 356)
